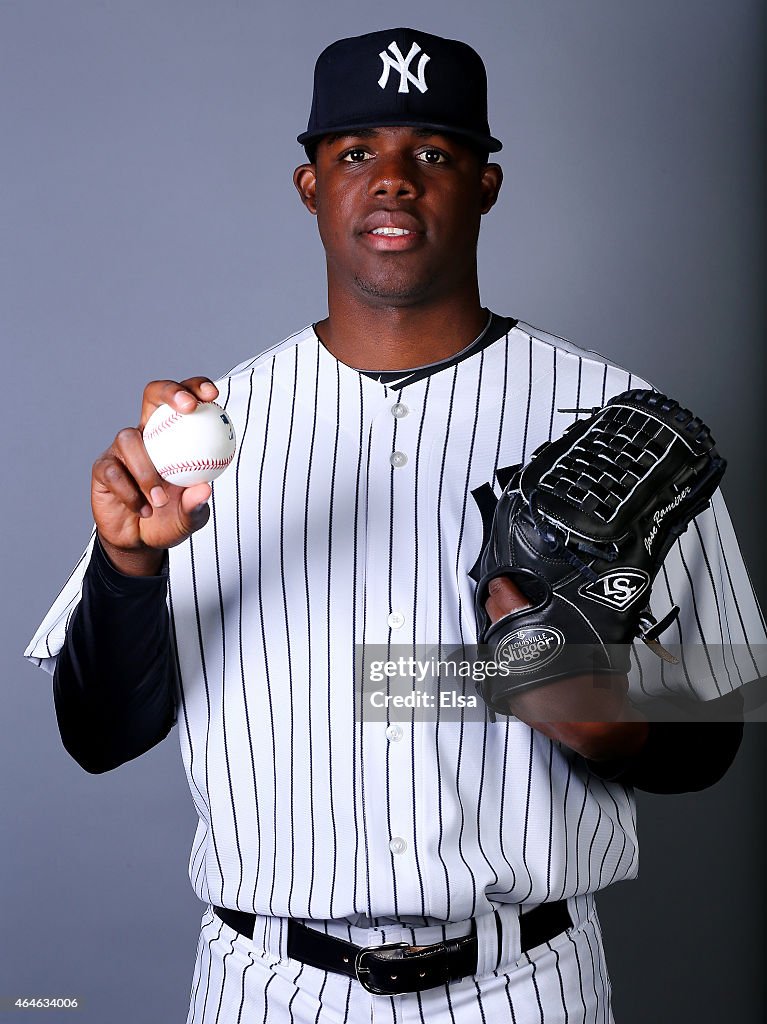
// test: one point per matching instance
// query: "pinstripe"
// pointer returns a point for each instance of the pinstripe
(416, 585)
(242, 989)
(594, 834)
(291, 746)
(210, 966)
(357, 733)
(223, 978)
(440, 638)
(267, 678)
(502, 415)
(596, 989)
(698, 622)
(679, 636)
(196, 977)
(704, 556)
(574, 945)
(565, 835)
(469, 467)
(551, 824)
(479, 801)
(624, 842)
(603, 982)
(561, 984)
(724, 627)
(223, 697)
(504, 778)
(603, 397)
(466, 486)
(578, 390)
(203, 670)
(266, 998)
(523, 457)
(329, 627)
(362, 709)
(553, 393)
(309, 660)
(243, 685)
(295, 994)
(392, 472)
(479, 1001)
(535, 987)
(187, 735)
(526, 896)
(508, 997)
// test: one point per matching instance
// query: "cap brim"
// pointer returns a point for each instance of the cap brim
(487, 142)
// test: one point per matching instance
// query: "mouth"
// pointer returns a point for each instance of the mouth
(391, 231)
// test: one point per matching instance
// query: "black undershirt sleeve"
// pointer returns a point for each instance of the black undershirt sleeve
(682, 756)
(115, 681)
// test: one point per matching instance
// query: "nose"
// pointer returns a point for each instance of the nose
(394, 176)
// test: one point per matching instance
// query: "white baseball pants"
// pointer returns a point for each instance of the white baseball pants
(242, 981)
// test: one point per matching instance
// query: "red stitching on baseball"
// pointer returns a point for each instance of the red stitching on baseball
(159, 427)
(185, 467)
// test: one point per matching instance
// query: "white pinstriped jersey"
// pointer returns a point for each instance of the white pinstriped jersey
(320, 540)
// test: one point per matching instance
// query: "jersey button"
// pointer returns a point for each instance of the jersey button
(396, 620)
(399, 410)
(398, 459)
(394, 732)
(398, 845)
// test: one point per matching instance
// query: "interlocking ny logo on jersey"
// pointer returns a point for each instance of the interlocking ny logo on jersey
(618, 588)
(402, 64)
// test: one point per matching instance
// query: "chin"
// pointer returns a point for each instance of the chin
(399, 292)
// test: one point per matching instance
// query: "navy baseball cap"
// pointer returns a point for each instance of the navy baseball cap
(400, 77)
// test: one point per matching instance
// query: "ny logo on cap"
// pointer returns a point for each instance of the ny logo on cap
(402, 64)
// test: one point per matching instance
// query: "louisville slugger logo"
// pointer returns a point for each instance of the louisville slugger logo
(530, 647)
(660, 515)
(617, 588)
(402, 65)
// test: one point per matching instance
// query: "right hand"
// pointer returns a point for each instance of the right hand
(138, 514)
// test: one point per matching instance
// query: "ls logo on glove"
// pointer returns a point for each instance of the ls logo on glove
(618, 588)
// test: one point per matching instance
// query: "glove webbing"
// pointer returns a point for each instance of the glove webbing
(606, 464)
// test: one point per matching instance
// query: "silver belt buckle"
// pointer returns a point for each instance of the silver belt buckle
(362, 971)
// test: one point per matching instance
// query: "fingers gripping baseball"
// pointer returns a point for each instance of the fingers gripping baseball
(137, 513)
(183, 397)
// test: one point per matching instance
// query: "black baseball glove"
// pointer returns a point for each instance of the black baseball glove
(582, 531)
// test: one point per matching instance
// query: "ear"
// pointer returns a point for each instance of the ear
(305, 180)
(492, 179)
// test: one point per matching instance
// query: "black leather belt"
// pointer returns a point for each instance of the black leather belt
(397, 967)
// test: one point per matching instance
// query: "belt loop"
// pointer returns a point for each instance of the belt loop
(498, 941)
(271, 935)
(511, 943)
(487, 942)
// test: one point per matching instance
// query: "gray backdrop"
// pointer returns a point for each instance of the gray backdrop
(150, 229)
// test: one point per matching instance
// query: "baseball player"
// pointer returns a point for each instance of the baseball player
(393, 866)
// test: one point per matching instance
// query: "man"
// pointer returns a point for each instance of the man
(346, 521)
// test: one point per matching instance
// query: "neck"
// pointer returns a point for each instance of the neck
(389, 337)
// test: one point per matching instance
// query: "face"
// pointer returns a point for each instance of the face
(398, 210)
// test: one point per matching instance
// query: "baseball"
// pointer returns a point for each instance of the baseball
(190, 448)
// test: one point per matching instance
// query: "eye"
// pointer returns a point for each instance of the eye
(356, 156)
(432, 156)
